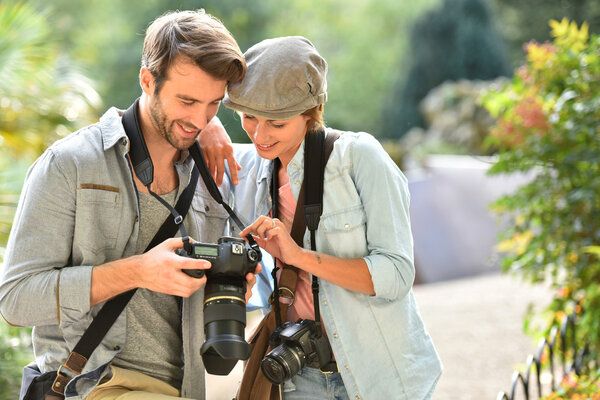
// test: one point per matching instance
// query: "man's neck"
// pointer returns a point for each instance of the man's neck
(163, 155)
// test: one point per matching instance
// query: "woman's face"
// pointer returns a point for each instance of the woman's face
(276, 138)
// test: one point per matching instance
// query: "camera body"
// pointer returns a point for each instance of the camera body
(224, 300)
(230, 257)
(295, 345)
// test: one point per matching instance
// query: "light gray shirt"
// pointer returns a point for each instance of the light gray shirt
(153, 345)
(79, 208)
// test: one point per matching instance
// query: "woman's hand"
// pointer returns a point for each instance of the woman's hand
(272, 235)
(349, 273)
(216, 146)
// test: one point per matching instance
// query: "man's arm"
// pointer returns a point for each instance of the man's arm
(159, 270)
(41, 286)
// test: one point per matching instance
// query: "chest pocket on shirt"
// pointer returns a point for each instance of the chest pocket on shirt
(98, 217)
(344, 232)
(210, 218)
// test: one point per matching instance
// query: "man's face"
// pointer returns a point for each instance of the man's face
(187, 100)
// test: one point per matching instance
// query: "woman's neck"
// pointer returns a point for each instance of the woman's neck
(283, 175)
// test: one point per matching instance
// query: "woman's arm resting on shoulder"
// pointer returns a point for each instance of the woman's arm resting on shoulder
(216, 146)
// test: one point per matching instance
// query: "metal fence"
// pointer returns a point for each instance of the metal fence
(562, 341)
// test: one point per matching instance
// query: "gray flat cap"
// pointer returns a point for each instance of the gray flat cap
(286, 76)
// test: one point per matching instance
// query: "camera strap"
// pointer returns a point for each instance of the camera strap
(213, 189)
(111, 310)
(317, 149)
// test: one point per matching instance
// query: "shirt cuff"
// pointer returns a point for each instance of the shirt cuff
(388, 282)
(74, 289)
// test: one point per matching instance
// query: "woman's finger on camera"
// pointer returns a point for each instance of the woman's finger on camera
(255, 228)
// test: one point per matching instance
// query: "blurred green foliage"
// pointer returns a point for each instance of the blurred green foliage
(362, 40)
(43, 96)
(520, 21)
(454, 41)
(548, 128)
(15, 352)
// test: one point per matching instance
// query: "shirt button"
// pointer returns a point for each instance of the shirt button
(296, 182)
(124, 142)
(117, 348)
(137, 218)
(346, 367)
(207, 208)
(357, 397)
(347, 226)
(324, 303)
(335, 335)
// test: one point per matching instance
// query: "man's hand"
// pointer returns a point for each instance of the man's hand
(251, 281)
(162, 270)
(216, 146)
(159, 270)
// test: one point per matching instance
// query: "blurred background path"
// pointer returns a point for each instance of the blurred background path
(477, 326)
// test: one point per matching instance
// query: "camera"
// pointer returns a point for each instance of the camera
(295, 345)
(224, 300)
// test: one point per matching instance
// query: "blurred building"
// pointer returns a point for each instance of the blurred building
(453, 228)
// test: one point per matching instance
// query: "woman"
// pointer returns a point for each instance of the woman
(363, 257)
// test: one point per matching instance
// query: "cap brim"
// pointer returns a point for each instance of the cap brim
(271, 114)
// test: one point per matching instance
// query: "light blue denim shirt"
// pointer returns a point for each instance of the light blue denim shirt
(79, 208)
(380, 343)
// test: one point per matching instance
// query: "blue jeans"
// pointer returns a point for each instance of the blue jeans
(312, 384)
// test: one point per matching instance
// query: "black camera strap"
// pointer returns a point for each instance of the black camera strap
(144, 168)
(213, 189)
(111, 310)
(317, 149)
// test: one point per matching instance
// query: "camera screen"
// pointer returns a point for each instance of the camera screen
(206, 251)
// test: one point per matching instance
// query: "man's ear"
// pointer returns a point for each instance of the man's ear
(146, 81)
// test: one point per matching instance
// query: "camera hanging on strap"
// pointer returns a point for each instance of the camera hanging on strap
(296, 344)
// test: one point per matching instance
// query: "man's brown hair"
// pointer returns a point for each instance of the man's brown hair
(196, 35)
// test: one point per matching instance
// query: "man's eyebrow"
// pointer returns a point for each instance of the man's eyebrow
(189, 98)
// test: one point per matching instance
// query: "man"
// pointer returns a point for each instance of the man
(84, 220)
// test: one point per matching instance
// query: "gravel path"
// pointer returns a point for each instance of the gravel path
(476, 324)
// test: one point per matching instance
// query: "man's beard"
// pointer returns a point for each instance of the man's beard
(166, 127)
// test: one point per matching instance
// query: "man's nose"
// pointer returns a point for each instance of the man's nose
(199, 118)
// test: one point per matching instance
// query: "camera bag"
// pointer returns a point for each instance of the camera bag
(51, 385)
(254, 385)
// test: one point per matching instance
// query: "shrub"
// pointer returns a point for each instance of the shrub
(548, 127)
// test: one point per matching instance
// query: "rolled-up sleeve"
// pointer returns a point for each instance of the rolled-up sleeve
(383, 190)
(36, 288)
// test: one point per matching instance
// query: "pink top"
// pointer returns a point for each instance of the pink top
(303, 306)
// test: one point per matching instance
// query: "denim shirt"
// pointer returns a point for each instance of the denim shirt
(380, 343)
(79, 208)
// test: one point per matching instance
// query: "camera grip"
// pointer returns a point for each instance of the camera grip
(194, 273)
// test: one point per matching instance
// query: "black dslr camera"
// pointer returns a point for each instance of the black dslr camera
(295, 344)
(224, 300)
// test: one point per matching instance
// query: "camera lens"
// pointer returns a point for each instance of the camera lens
(282, 363)
(224, 323)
